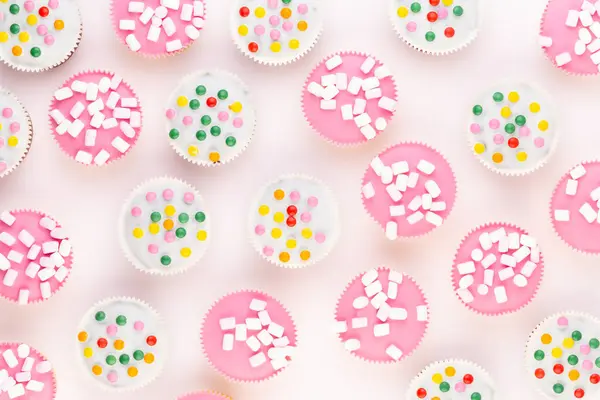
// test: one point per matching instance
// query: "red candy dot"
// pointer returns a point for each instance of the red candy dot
(449, 32)
(421, 393)
(558, 369)
(44, 12)
(539, 373)
(291, 222)
(434, 2)
(253, 47)
(102, 343)
(513, 142)
(292, 210)
(468, 379)
(432, 16)
(595, 378)
(244, 12)
(579, 393)
(211, 102)
(151, 340)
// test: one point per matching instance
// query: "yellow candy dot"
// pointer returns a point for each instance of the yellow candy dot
(87, 352)
(546, 338)
(294, 44)
(97, 370)
(24, 37)
(447, 3)
(286, 13)
(263, 210)
(543, 125)
(497, 158)
(59, 25)
(185, 252)
(17, 51)
(3, 1)
(276, 233)
(214, 157)
(13, 141)
(437, 378)
(182, 101)
(243, 30)
(279, 194)
(479, 148)
(402, 12)
(149, 358)
(278, 217)
(534, 107)
(302, 26)
(275, 47)
(450, 371)
(573, 375)
(568, 343)
(521, 156)
(154, 228)
(505, 112)
(259, 12)
(132, 372)
(236, 107)
(284, 257)
(557, 352)
(138, 233)
(291, 244)
(170, 210)
(513, 97)
(168, 224)
(306, 233)
(3, 37)
(193, 151)
(32, 20)
(0, 127)
(201, 236)
(435, 398)
(82, 336)
(305, 255)
(119, 344)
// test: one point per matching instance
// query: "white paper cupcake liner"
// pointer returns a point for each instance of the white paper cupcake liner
(29, 134)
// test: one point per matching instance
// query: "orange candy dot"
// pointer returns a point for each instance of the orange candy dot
(302, 26)
(119, 344)
(149, 358)
(284, 257)
(286, 13)
(97, 370)
(59, 25)
(17, 51)
(168, 224)
(279, 194)
(82, 336)
(132, 372)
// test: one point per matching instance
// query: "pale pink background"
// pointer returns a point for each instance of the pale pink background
(435, 96)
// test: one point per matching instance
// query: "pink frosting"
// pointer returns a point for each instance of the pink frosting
(329, 123)
(235, 364)
(564, 37)
(517, 296)
(204, 396)
(120, 12)
(577, 232)
(405, 335)
(379, 205)
(30, 221)
(47, 378)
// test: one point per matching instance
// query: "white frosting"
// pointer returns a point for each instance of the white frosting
(13, 155)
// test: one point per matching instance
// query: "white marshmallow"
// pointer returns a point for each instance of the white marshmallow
(328, 80)
(253, 343)
(352, 344)
(174, 45)
(414, 218)
(381, 330)
(77, 109)
(354, 85)
(572, 18)
(362, 120)
(370, 83)
(367, 65)
(585, 18)
(79, 86)
(15, 256)
(372, 289)
(340, 327)
(508, 260)
(361, 322)
(368, 190)
(7, 238)
(380, 124)
(7, 218)
(333, 62)
(563, 59)
(34, 386)
(483, 289)
(10, 277)
(392, 292)
(485, 241)
(382, 72)
(26, 238)
(477, 255)
(465, 268)
(120, 144)
(432, 188)
(264, 317)
(466, 281)
(360, 302)
(161, 12)
(379, 299)
(227, 324)
(415, 203)
(136, 119)
(402, 182)
(253, 324)
(520, 281)
(585, 35)
(422, 313)
(97, 120)
(434, 218)
(187, 11)
(579, 48)
(50, 247)
(75, 128)
(413, 179)
(32, 270)
(63, 93)
(172, 4)
(393, 192)
(398, 314)
(373, 94)
(387, 104)
(500, 294)
(545, 41)
(61, 273)
(127, 25)
(83, 157)
(90, 138)
(265, 337)
(387, 176)
(397, 211)
(394, 352)
(102, 157)
(328, 105)
(347, 112)
(360, 105)
(377, 165)
(465, 295)
(258, 305)
(426, 167)
(341, 81)
(522, 253)
(577, 172)
(23, 298)
(136, 7)
(198, 9)
(506, 273)
(257, 360)
(395, 276)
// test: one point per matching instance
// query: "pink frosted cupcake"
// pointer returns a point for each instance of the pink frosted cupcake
(35, 256)
(95, 117)
(248, 336)
(409, 189)
(570, 36)
(382, 316)
(497, 269)
(349, 98)
(15, 132)
(157, 28)
(205, 396)
(25, 373)
(575, 207)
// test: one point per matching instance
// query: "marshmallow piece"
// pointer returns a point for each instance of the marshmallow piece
(347, 112)
(4, 263)
(34, 386)
(381, 330)
(265, 337)
(387, 104)
(595, 57)
(227, 324)
(397, 211)
(394, 193)
(63, 94)
(23, 350)
(585, 18)
(127, 129)
(198, 9)
(330, 92)
(422, 313)
(102, 157)
(26, 238)
(577, 172)
(377, 165)
(258, 305)
(394, 352)
(136, 7)
(433, 218)
(333, 62)
(95, 107)
(373, 94)
(187, 11)
(7, 238)
(136, 119)
(497, 234)
(522, 253)
(466, 268)
(16, 391)
(10, 358)
(354, 85)
(257, 360)
(528, 241)
(161, 12)
(169, 27)
(50, 247)
(97, 120)
(10, 277)
(328, 80)
(253, 324)
(503, 244)
(83, 157)
(368, 190)
(110, 123)
(545, 41)
(483, 289)
(46, 273)
(370, 83)
(379, 299)
(402, 182)
(579, 48)
(75, 128)
(508, 260)
(27, 364)
(425, 167)
(500, 294)
(585, 36)
(595, 194)
(362, 120)
(477, 255)
(520, 281)
(595, 27)
(57, 116)
(32, 270)
(129, 102)
(432, 188)
(315, 89)
(572, 18)
(414, 218)
(387, 176)
(360, 302)
(7, 218)
(90, 138)
(372, 289)
(121, 113)
(382, 72)
(132, 42)
(528, 268)
(43, 367)
(589, 7)
(415, 203)
(413, 179)
(466, 281)
(352, 344)
(465, 295)
(380, 124)
(485, 241)
(284, 341)
(113, 99)
(438, 206)
(79, 86)
(340, 327)
(506, 273)
(23, 296)
(398, 314)
(395, 276)
(145, 17)
(127, 25)
(369, 277)
(264, 317)
(383, 313)
(392, 292)
(77, 109)
(46, 262)
(391, 230)
(341, 81)
(172, 4)
(328, 105)
(119, 144)
(62, 128)
(15, 256)
(361, 322)
(279, 363)
(198, 22)
(513, 241)
(61, 274)
(91, 93)
(562, 59)
(367, 65)
(253, 343)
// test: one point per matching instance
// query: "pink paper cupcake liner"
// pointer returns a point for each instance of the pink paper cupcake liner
(498, 269)
(249, 336)
(25, 373)
(210, 395)
(16, 132)
(382, 316)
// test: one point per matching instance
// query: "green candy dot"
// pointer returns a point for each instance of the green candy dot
(444, 386)
(14, 9)
(476, 396)
(415, 7)
(458, 11)
(173, 133)
(206, 120)
(124, 359)
(430, 36)
(576, 336)
(155, 216)
(597, 362)
(100, 316)
(194, 104)
(558, 388)
(230, 141)
(138, 355)
(594, 343)
(121, 320)
(201, 135)
(15, 28)
(509, 128)
(215, 131)
(35, 52)
(286, 1)
(200, 217)
(498, 97)
(165, 260)
(520, 120)
(180, 233)
(222, 94)
(477, 110)
(539, 355)
(183, 218)
(201, 90)
(573, 360)
(111, 360)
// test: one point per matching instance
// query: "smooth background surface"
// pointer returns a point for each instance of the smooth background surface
(436, 96)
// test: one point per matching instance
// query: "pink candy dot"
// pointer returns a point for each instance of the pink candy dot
(320, 237)
(171, 113)
(53, 4)
(274, 20)
(111, 330)
(475, 128)
(275, 34)
(524, 131)
(295, 196)
(29, 6)
(2, 166)
(15, 127)
(268, 251)
(1, 16)
(49, 40)
(287, 26)
(312, 201)
(259, 30)
(7, 112)
(443, 13)
(587, 365)
(223, 116)
(302, 8)
(411, 26)
(167, 194)
(494, 123)
(238, 122)
(259, 230)
(498, 139)
(539, 142)
(112, 377)
(188, 198)
(138, 325)
(136, 211)
(187, 120)
(152, 249)
(42, 30)
(563, 321)
(460, 387)
(170, 237)
(585, 349)
(1, 142)
(305, 217)
(150, 196)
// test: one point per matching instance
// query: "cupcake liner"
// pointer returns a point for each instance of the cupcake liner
(88, 315)
(72, 255)
(541, 267)
(29, 130)
(414, 238)
(123, 242)
(543, 162)
(307, 82)
(38, 353)
(247, 53)
(53, 103)
(191, 395)
(115, 25)
(405, 354)
(414, 383)
(242, 85)
(223, 373)
(336, 232)
(392, 16)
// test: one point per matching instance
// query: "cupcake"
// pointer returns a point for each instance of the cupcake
(382, 316)
(205, 396)
(575, 207)
(25, 373)
(210, 118)
(294, 221)
(512, 130)
(38, 35)
(562, 356)
(156, 28)
(497, 269)
(95, 117)
(15, 132)
(248, 336)
(452, 379)
(409, 190)
(276, 32)
(163, 228)
(436, 27)
(35, 256)
(121, 343)
(570, 36)
(349, 98)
